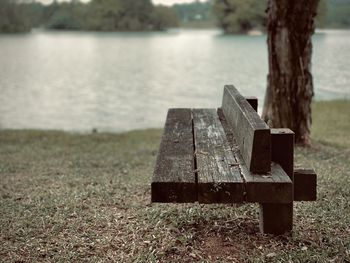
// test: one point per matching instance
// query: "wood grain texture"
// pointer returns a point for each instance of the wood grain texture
(252, 133)
(219, 179)
(305, 185)
(290, 89)
(174, 176)
(271, 187)
(275, 187)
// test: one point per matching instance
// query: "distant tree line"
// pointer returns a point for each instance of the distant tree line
(233, 16)
(240, 16)
(13, 17)
(196, 14)
(96, 15)
(338, 14)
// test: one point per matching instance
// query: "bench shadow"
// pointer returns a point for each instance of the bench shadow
(236, 239)
(217, 236)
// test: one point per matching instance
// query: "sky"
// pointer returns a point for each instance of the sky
(164, 2)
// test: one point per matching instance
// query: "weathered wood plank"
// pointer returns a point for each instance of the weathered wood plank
(305, 185)
(253, 101)
(219, 179)
(252, 134)
(278, 218)
(174, 176)
(275, 186)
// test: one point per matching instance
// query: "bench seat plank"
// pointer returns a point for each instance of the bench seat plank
(219, 178)
(273, 187)
(174, 176)
(221, 175)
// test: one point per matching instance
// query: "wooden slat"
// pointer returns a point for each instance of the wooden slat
(219, 179)
(305, 185)
(272, 187)
(275, 187)
(174, 177)
(252, 134)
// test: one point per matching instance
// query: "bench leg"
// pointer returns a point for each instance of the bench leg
(276, 219)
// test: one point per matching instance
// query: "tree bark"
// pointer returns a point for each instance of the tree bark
(290, 86)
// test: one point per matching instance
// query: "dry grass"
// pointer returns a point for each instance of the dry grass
(77, 198)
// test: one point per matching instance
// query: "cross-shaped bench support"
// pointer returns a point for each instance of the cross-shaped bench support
(230, 155)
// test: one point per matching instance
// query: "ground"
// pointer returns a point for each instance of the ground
(75, 198)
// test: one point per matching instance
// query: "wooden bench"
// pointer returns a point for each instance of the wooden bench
(229, 155)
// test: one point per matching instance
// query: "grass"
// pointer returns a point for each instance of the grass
(331, 122)
(77, 198)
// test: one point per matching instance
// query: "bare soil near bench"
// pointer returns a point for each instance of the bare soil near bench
(86, 198)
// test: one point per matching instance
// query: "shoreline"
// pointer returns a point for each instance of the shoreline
(319, 110)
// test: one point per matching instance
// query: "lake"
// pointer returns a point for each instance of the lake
(77, 81)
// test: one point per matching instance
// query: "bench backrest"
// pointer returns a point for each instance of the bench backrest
(251, 132)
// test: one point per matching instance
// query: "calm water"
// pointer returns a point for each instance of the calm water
(122, 81)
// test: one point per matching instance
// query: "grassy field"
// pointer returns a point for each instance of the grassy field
(77, 198)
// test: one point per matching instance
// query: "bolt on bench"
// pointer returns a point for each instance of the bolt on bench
(230, 155)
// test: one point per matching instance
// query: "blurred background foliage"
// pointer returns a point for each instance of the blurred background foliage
(13, 17)
(240, 16)
(96, 15)
(233, 16)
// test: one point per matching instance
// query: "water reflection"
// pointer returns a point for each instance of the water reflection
(123, 81)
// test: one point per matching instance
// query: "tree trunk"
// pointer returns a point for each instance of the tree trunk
(290, 86)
